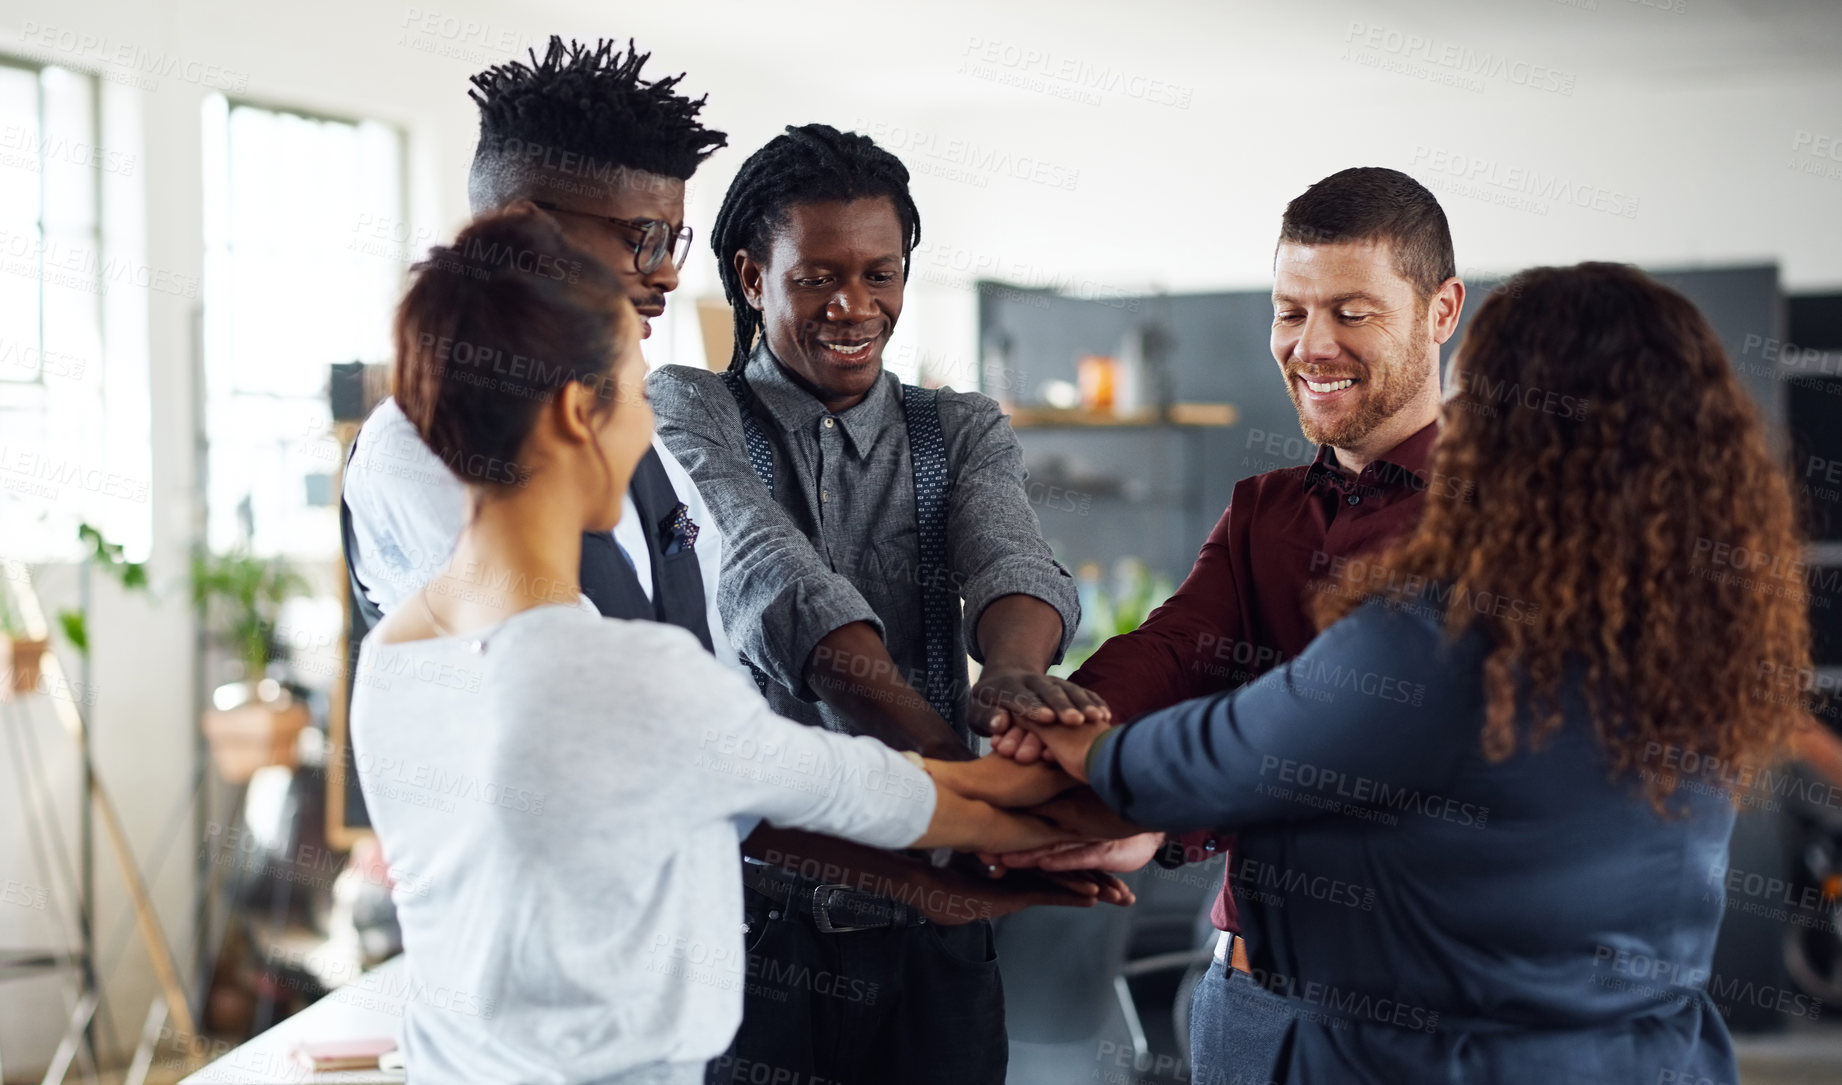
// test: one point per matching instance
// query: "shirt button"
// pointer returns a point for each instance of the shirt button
(824, 495)
(830, 422)
(1354, 499)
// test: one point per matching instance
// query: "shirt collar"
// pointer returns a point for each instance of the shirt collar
(794, 408)
(1393, 467)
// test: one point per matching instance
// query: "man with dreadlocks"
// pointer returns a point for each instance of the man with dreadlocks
(860, 512)
(606, 152)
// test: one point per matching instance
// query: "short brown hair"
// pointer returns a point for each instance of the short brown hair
(1370, 203)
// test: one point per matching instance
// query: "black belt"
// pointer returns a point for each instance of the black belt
(832, 907)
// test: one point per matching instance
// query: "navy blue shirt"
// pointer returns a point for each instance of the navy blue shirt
(1435, 916)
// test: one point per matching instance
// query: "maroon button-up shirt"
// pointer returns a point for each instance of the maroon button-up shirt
(1245, 607)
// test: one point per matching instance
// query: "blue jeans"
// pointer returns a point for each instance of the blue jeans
(1236, 1028)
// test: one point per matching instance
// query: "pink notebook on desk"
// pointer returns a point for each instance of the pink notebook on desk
(360, 1054)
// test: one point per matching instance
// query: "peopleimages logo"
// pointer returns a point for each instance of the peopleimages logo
(1460, 64)
(1064, 76)
(1492, 173)
(23, 148)
(1365, 792)
(125, 61)
(955, 158)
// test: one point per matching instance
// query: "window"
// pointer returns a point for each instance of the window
(60, 460)
(305, 254)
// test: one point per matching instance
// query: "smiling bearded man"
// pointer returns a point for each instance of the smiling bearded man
(1364, 294)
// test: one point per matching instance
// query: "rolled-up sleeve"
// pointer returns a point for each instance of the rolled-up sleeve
(995, 543)
(778, 598)
(1378, 705)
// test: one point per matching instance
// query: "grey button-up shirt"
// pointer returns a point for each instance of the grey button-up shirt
(836, 542)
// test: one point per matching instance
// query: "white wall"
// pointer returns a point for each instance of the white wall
(1208, 118)
(1689, 118)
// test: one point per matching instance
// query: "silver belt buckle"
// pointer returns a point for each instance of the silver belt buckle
(821, 910)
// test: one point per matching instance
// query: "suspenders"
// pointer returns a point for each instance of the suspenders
(927, 448)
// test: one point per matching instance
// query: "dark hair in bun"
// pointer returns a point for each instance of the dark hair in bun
(491, 328)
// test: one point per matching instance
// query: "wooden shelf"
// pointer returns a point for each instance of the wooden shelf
(1181, 414)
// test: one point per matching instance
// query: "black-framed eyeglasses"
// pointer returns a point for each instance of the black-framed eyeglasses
(655, 243)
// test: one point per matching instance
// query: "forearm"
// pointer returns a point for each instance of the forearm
(851, 670)
(1284, 746)
(840, 862)
(1001, 781)
(943, 895)
(1164, 770)
(1019, 632)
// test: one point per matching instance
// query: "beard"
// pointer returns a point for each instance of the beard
(1389, 384)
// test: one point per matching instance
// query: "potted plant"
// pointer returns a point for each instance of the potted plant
(28, 652)
(24, 652)
(253, 722)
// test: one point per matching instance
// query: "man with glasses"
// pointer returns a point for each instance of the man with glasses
(583, 136)
(652, 241)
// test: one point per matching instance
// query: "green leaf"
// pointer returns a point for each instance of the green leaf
(239, 597)
(108, 557)
(76, 629)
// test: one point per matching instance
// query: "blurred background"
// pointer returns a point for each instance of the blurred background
(207, 210)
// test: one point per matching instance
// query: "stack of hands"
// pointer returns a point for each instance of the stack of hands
(1058, 843)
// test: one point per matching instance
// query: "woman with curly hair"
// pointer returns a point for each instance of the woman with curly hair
(1485, 814)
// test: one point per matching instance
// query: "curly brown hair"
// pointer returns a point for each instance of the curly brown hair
(1626, 504)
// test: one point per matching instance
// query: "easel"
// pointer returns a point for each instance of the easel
(42, 825)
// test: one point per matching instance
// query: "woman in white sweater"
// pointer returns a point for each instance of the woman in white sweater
(560, 795)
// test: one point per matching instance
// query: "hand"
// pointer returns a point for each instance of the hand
(1111, 889)
(1100, 884)
(1004, 696)
(1067, 746)
(952, 897)
(1009, 738)
(1001, 782)
(953, 750)
(1018, 744)
(1082, 813)
(973, 824)
(1122, 856)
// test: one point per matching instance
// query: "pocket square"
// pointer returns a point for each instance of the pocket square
(677, 531)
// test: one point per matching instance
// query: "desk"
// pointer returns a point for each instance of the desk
(371, 1005)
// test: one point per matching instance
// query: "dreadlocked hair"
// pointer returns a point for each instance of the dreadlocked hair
(593, 103)
(812, 163)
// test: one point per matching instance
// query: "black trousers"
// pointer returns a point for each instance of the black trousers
(917, 1005)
